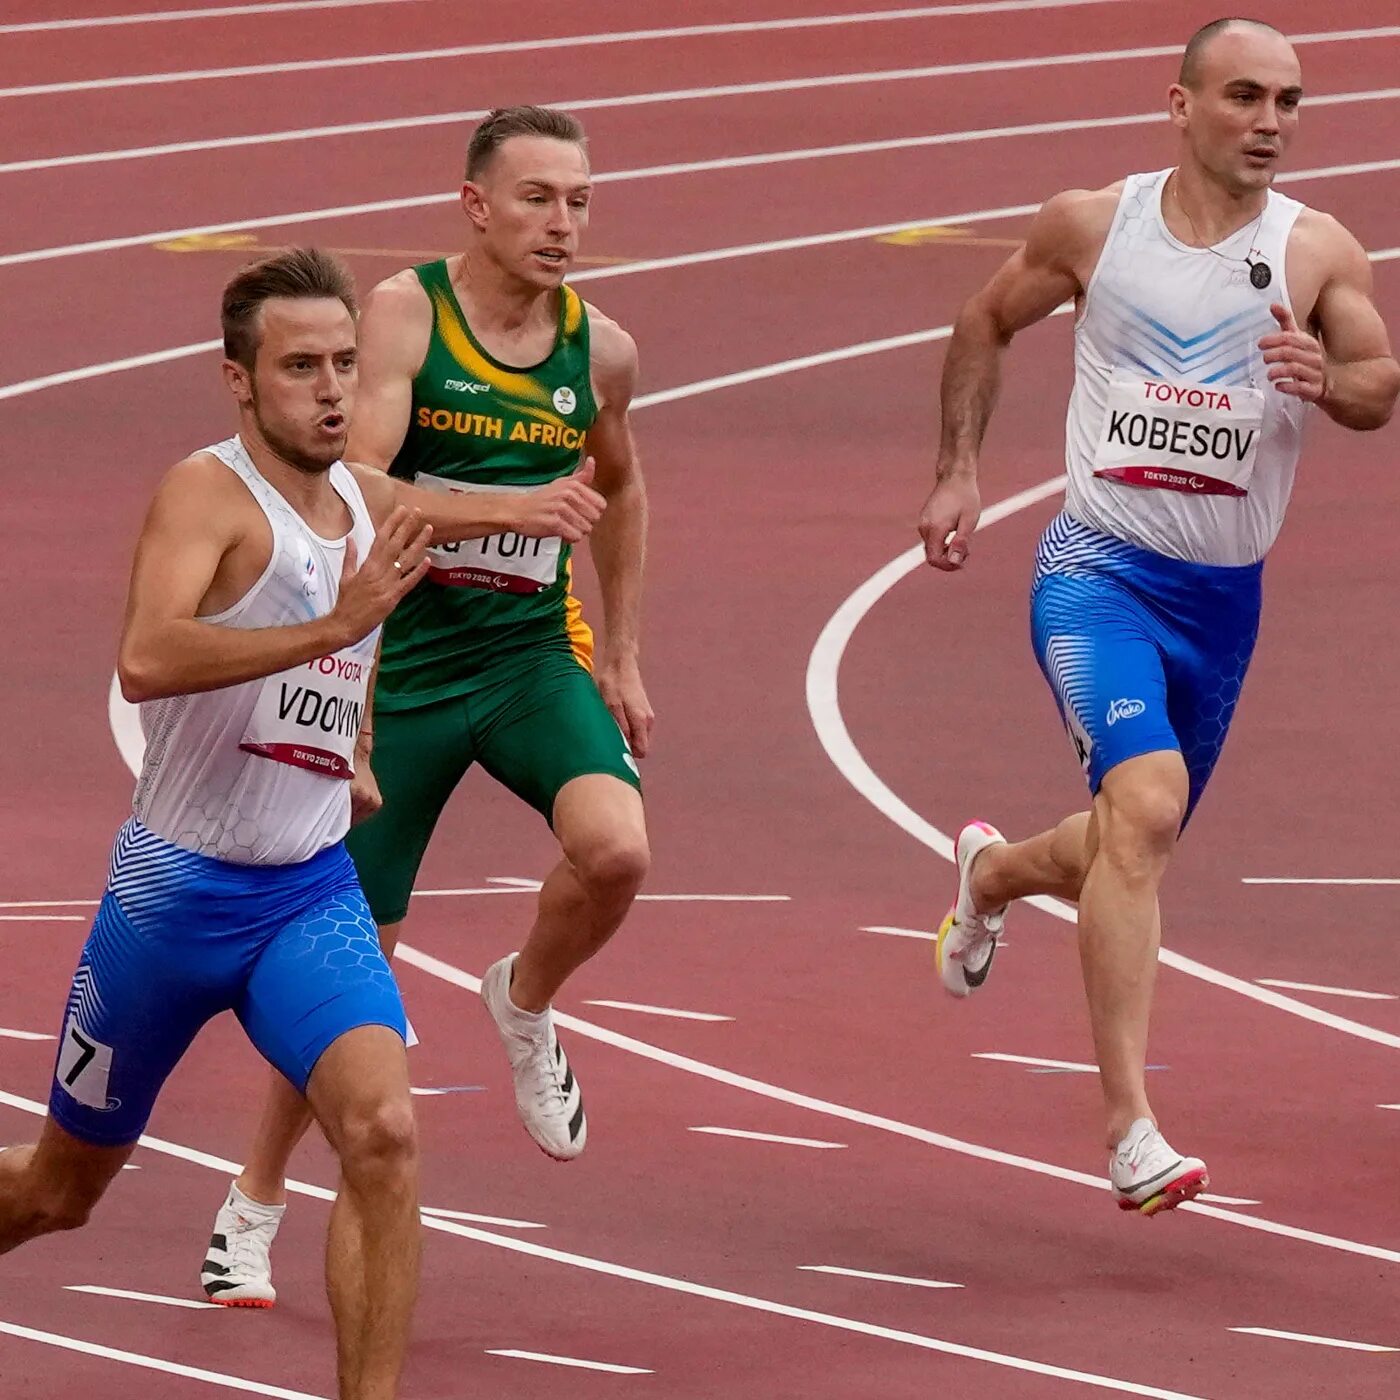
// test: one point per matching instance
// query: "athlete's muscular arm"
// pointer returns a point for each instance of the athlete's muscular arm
(395, 328)
(189, 546)
(618, 544)
(1046, 271)
(1346, 368)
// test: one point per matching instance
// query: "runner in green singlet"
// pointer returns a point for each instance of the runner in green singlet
(486, 371)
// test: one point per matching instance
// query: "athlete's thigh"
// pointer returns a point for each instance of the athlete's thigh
(1205, 675)
(543, 724)
(420, 755)
(319, 976)
(1097, 647)
(138, 998)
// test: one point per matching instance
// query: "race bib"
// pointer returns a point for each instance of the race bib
(1180, 437)
(504, 563)
(310, 716)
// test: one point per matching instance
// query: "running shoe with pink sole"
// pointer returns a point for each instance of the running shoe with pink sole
(1149, 1176)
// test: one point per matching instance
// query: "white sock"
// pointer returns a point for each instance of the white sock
(245, 1205)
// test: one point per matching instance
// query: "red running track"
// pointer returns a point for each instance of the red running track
(687, 1255)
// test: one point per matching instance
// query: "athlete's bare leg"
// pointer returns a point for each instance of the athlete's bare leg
(601, 827)
(359, 1093)
(53, 1184)
(1111, 862)
(1054, 862)
(1138, 813)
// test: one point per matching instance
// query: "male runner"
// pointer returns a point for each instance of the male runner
(1211, 312)
(486, 369)
(263, 572)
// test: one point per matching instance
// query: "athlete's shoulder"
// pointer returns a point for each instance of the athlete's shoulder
(401, 297)
(1325, 243)
(200, 495)
(613, 355)
(1078, 213)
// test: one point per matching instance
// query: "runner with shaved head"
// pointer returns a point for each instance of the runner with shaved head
(1212, 314)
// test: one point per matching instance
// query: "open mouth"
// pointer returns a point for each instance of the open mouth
(552, 257)
(332, 424)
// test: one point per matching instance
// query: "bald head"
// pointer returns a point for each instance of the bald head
(1198, 55)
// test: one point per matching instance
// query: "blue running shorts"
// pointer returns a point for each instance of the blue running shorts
(291, 950)
(1143, 652)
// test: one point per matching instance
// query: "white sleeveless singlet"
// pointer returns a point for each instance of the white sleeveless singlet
(255, 774)
(1175, 439)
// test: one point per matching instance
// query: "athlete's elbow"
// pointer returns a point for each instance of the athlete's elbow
(979, 323)
(140, 676)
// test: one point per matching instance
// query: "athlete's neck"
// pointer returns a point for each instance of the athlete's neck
(1202, 211)
(497, 303)
(306, 489)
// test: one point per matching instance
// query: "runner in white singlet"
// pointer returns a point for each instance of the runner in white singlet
(263, 573)
(1212, 312)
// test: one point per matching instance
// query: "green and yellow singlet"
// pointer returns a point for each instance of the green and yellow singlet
(478, 424)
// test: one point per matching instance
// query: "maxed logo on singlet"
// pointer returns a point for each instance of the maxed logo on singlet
(1180, 437)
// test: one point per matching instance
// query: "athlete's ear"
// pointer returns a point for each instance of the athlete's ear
(474, 203)
(239, 381)
(1178, 105)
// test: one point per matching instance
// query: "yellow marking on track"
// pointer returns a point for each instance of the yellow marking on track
(944, 234)
(210, 243)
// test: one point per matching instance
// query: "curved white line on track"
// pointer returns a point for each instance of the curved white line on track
(824, 707)
(601, 1266)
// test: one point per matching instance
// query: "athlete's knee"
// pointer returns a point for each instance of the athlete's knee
(614, 867)
(378, 1139)
(1140, 818)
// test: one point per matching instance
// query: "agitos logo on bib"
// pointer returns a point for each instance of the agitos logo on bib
(1162, 435)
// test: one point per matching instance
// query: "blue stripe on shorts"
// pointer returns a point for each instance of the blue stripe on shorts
(1143, 652)
(291, 950)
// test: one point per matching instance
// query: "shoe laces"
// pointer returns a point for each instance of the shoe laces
(249, 1241)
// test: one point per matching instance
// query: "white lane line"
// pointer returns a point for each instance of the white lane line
(645, 1010)
(452, 894)
(154, 1363)
(712, 898)
(503, 1222)
(139, 1297)
(645, 172)
(770, 1137)
(131, 752)
(878, 1278)
(577, 1362)
(863, 78)
(40, 26)
(1068, 1065)
(1327, 879)
(49, 904)
(630, 36)
(1325, 991)
(925, 934)
(7, 1034)
(1228, 1200)
(446, 972)
(426, 1093)
(1395, 1106)
(1308, 1337)
(43, 919)
(662, 1281)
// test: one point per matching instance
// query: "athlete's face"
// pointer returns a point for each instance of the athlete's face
(1242, 114)
(530, 207)
(301, 387)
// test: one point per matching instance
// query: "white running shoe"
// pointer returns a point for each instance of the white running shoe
(967, 940)
(547, 1095)
(238, 1270)
(1149, 1176)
